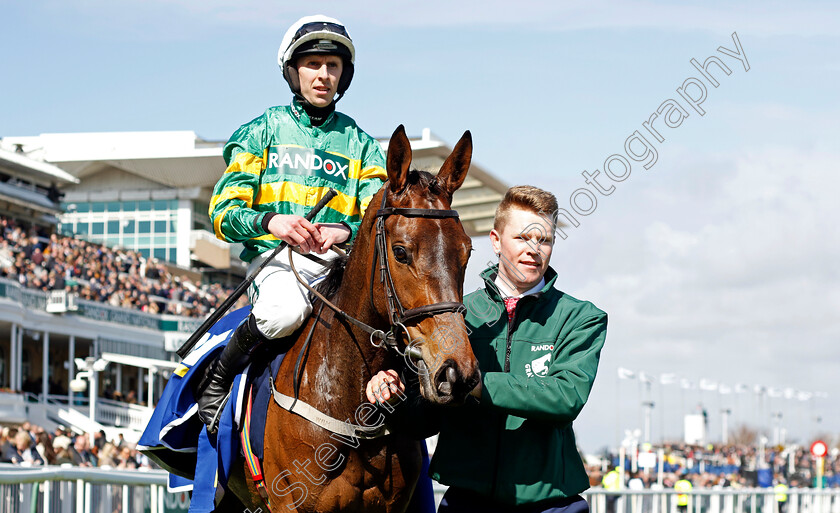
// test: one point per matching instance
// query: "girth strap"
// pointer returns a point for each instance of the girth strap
(251, 460)
(323, 420)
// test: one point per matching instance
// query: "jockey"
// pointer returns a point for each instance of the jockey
(278, 167)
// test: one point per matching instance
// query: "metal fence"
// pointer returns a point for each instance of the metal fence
(97, 490)
(724, 500)
(86, 490)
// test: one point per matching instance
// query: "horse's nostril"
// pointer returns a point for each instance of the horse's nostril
(447, 379)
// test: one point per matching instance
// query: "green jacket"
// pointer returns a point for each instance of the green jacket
(280, 162)
(517, 445)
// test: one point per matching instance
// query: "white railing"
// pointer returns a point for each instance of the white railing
(108, 412)
(69, 489)
(12, 407)
(123, 415)
(85, 490)
(724, 500)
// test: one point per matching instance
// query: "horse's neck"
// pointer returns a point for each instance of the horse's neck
(343, 360)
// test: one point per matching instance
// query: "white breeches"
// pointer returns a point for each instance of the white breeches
(280, 304)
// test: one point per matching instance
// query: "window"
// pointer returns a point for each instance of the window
(128, 227)
(113, 227)
(160, 226)
(97, 206)
(82, 229)
(144, 206)
(144, 252)
(97, 228)
(161, 204)
(173, 255)
(160, 253)
(145, 227)
(81, 207)
(113, 206)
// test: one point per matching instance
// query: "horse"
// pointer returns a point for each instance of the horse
(398, 305)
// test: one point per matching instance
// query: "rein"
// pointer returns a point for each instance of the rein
(397, 315)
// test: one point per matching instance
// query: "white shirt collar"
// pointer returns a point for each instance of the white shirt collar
(500, 283)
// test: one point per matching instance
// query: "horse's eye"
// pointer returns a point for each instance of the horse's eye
(400, 254)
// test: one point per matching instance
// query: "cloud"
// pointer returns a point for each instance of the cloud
(751, 294)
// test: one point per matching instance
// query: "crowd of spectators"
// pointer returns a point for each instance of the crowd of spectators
(727, 466)
(31, 445)
(122, 278)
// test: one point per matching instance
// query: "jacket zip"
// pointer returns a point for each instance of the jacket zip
(511, 324)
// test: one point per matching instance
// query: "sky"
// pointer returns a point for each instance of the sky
(716, 262)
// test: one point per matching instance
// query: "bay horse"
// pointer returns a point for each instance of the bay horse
(403, 282)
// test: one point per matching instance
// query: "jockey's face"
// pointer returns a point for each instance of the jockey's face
(524, 244)
(319, 76)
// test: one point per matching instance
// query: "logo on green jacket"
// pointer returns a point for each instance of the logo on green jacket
(308, 162)
(538, 367)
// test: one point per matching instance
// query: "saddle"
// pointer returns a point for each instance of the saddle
(175, 438)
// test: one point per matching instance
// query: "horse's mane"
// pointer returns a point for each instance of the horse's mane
(334, 271)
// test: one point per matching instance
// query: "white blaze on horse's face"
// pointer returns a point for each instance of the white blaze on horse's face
(427, 258)
(524, 244)
(319, 76)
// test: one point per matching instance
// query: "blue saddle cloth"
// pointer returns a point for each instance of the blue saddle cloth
(175, 437)
(178, 441)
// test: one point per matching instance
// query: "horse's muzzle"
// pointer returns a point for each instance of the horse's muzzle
(447, 385)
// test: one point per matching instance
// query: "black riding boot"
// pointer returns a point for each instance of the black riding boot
(214, 388)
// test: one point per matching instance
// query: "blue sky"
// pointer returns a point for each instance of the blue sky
(719, 262)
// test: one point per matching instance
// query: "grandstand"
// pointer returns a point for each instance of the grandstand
(108, 263)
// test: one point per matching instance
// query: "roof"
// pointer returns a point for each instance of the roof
(27, 198)
(170, 158)
(35, 170)
(181, 159)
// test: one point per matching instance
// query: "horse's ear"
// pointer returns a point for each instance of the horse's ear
(453, 172)
(399, 158)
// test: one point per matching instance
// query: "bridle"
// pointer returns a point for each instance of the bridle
(398, 315)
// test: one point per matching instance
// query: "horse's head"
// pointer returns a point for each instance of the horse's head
(427, 256)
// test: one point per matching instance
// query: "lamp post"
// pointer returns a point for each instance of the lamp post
(724, 415)
(648, 406)
(777, 428)
(89, 368)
